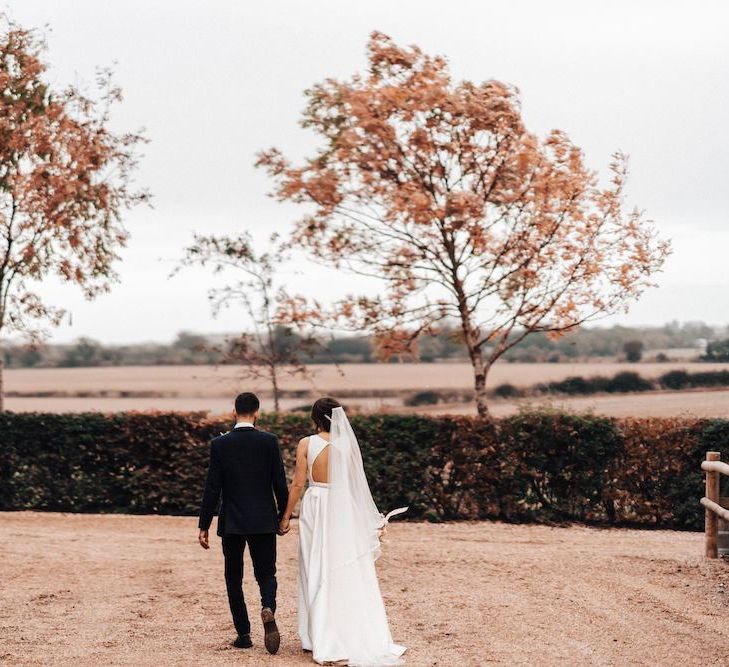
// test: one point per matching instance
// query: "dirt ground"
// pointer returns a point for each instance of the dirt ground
(122, 590)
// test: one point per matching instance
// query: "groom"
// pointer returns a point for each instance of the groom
(246, 468)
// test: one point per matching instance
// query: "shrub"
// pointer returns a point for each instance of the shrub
(657, 478)
(560, 463)
(628, 381)
(156, 462)
(575, 384)
(507, 390)
(681, 379)
(674, 380)
(537, 466)
(464, 470)
(633, 350)
(709, 379)
(423, 398)
(717, 350)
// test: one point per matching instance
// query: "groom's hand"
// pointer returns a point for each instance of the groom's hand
(284, 527)
(203, 539)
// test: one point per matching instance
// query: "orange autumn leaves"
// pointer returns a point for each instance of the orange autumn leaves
(437, 188)
(65, 179)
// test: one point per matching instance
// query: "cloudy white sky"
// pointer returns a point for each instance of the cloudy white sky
(215, 81)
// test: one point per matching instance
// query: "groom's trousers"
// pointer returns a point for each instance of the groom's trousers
(263, 554)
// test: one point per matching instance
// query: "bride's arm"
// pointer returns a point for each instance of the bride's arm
(297, 484)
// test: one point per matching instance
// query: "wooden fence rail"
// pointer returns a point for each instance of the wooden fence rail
(713, 502)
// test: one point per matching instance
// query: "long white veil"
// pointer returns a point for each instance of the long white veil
(352, 535)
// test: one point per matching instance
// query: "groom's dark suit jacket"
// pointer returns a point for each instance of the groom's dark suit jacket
(246, 468)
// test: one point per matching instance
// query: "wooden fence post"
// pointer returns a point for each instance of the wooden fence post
(711, 520)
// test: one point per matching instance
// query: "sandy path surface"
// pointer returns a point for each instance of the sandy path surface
(121, 590)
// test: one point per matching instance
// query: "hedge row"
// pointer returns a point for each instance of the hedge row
(621, 383)
(629, 381)
(537, 466)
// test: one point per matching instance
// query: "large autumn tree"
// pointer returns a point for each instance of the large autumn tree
(65, 179)
(437, 188)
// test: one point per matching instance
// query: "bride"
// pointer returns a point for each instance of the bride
(342, 616)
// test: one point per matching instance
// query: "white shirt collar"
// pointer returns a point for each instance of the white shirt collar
(244, 425)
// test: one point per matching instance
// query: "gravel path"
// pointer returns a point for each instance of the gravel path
(123, 590)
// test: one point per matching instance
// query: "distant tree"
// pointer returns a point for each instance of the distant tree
(84, 352)
(22, 356)
(190, 341)
(438, 189)
(349, 348)
(446, 343)
(269, 346)
(717, 350)
(633, 350)
(65, 179)
(29, 356)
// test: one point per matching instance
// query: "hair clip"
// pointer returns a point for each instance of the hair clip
(328, 417)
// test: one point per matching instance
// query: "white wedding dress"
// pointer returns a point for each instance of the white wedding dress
(341, 612)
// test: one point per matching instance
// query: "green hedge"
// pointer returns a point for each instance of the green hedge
(624, 382)
(620, 383)
(535, 466)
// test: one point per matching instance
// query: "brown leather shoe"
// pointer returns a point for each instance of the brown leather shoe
(271, 637)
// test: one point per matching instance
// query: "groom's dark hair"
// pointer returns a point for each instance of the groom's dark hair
(246, 403)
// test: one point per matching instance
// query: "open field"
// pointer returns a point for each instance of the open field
(197, 381)
(122, 590)
(646, 404)
(208, 388)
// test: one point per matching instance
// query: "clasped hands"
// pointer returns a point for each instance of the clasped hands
(203, 537)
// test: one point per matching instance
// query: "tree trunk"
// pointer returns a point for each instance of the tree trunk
(471, 338)
(2, 386)
(480, 371)
(276, 391)
(480, 392)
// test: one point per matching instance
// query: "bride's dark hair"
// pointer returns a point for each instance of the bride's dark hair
(321, 412)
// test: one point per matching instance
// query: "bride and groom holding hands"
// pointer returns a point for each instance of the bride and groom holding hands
(341, 614)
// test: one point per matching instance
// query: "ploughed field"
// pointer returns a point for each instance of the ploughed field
(367, 386)
(138, 590)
